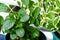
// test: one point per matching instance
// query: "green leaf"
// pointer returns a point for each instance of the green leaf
(58, 3)
(36, 12)
(35, 34)
(41, 23)
(57, 10)
(37, 22)
(13, 36)
(31, 4)
(1, 20)
(25, 2)
(27, 39)
(20, 25)
(50, 25)
(39, 0)
(58, 31)
(20, 32)
(32, 20)
(56, 20)
(8, 24)
(50, 15)
(3, 7)
(21, 13)
(24, 18)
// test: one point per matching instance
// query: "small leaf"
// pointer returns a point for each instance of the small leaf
(58, 3)
(13, 36)
(56, 20)
(37, 22)
(18, 2)
(24, 18)
(50, 25)
(50, 15)
(35, 34)
(20, 32)
(1, 20)
(3, 7)
(36, 12)
(20, 25)
(57, 10)
(58, 31)
(25, 2)
(41, 23)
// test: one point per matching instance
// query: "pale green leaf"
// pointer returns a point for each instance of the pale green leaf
(13, 36)
(8, 24)
(3, 7)
(20, 32)
(24, 18)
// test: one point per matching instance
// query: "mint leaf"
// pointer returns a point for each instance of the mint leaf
(13, 36)
(20, 32)
(24, 18)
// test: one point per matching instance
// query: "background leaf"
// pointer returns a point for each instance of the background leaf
(8, 24)
(56, 20)
(3, 7)
(26, 2)
(13, 36)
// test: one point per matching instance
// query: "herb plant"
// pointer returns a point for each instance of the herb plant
(44, 13)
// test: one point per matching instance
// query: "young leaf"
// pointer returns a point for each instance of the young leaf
(20, 25)
(20, 32)
(3, 7)
(25, 2)
(56, 20)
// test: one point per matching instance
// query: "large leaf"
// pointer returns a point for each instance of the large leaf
(8, 24)
(56, 20)
(24, 18)
(26, 2)
(3, 7)
(20, 32)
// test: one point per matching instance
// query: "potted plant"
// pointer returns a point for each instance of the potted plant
(42, 13)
